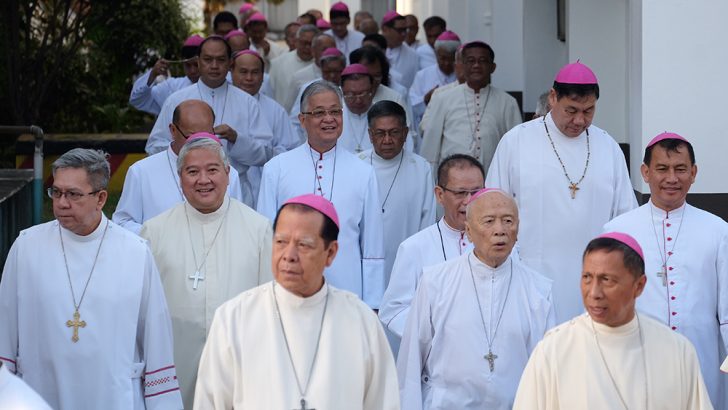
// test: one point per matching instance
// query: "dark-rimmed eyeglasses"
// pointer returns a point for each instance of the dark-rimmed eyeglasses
(461, 194)
(336, 112)
(72, 196)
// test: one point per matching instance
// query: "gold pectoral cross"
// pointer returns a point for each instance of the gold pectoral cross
(573, 189)
(75, 324)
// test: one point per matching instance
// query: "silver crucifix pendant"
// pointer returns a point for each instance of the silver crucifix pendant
(490, 357)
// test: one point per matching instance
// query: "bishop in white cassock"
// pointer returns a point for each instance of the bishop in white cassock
(458, 177)
(256, 27)
(686, 257)
(568, 177)
(612, 357)
(402, 58)
(151, 185)
(83, 317)
(434, 26)
(472, 117)
(447, 360)
(208, 250)
(319, 44)
(238, 120)
(347, 39)
(282, 67)
(322, 167)
(15, 393)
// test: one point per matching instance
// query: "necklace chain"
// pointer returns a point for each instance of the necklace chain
(442, 241)
(224, 103)
(212, 244)
(77, 306)
(474, 131)
(664, 257)
(316, 174)
(389, 191)
(174, 175)
(573, 186)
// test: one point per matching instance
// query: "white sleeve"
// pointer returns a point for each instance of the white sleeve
(129, 211)
(371, 239)
(216, 373)
(253, 145)
(141, 96)
(268, 195)
(160, 137)
(397, 299)
(9, 309)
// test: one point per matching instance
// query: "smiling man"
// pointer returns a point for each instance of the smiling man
(475, 319)
(208, 249)
(686, 257)
(611, 357)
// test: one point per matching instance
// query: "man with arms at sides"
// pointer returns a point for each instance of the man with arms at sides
(401, 57)
(448, 361)
(151, 185)
(83, 318)
(347, 40)
(256, 27)
(321, 167)
(434, 26)
(298, 342)
(290, 62)
(208, 249)
(569, 179)
(612, 357)
(686, 256)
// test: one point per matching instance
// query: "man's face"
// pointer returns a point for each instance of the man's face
(492, 227)
(224, 28)
(477, 66)
(357, 94)
(432, 34)
(248, 73)
(412, 29)
(303, 46)
(256, 31)
(192, 69)
(395, 35)
(608, 288)
(388, 136)
(239, 43)
(375, 70)
(331, 70)
(322, 43)
(214, 63)
(445, 60)
(321, 128)
(670, 176)
(571, 114)
(80, 215)
(291, 36)
(339, 26)
(461, 182)
(204, 179)
(299, 252)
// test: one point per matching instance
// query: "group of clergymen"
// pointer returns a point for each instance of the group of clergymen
(190, 298)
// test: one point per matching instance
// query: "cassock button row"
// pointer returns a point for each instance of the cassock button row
(669, 238)
(669, 224)
(672, 283)
(674, 328)
(318, 189)
(670, 253)
(670, 268)
(674, 313)
(672, 297)
(321, 166)
(320, 177)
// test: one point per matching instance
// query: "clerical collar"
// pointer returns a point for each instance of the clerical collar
(321, 156)
(557, 134)
(662, 214)
(625, 330)
(376, 159)
(482, 270)
(471, 91)
(171, 153)
(291, 300)
(212, 216)
(95, 234)
(450, 230)
(206, 88)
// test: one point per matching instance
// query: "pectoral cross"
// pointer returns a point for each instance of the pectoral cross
(303, 405)
(75, 324)
(573, 189)
(490, 357)
(197, 278)
(663, 274)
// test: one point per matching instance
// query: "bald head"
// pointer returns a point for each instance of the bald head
(369, 26)
(189, 117)
(492, 225)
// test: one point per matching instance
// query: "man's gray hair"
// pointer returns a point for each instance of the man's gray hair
(325, 59)
(317, 38)
(307, 28)
(202, 143)
(318, 87)
(450, 46)
(93, 161)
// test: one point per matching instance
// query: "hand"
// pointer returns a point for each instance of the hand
(160, 68)
(226, 132)
(429, 95)
(264, 46)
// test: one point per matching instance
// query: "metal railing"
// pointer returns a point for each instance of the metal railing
(37, 164)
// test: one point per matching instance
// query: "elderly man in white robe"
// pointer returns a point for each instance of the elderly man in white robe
(612, 357)
(322, 167)
(238, 121)
(402, 58)
(298, 342)
(208, 250)
(248, 68)
(686, 257)
(458, 176)
(151, 185)
(83, 317)
(569, 179)
(347, 39)
(472, 117)
(319, 44)
(256, 27)
(433, 26)
(290, 62)
(448, 361)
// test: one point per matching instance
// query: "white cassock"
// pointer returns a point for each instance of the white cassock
(150, 98)
(355, 133)
(568, 371)
(554, 229)
(281, 79)
(428, 113)
(351, 185)
(426, 56)
(284, 137)
(245, 364)
(151, 186)
(425, 80)
(442, 364)
(433, 245)
(463, 122)
(238, 260)
(232, 106)
(275, 51)
(296, 109)
(349, 43)
(406, 192)
(694, 298)
(404, 60)
(16, 395)
(123, 356)
(309, 73)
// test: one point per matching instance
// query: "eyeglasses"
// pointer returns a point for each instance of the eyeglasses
(395, 133)
(461, 194)
(336, 112)
(72, 196)
(353, 97)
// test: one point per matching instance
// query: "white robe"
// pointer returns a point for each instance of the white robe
(428, 113)
(245, 364)
(309, 73)
(150, 98)
(442, 362)
(451, 129)
(233, 107)
(151, 186)
(275, 51)
(405, 61)
(281, 79)
(16, 395)
(566, 370)
(554, 228)
(426, 56)
(296, 109)
(349, 43)
(359, 265)
(695, 300)
(238, 260)
(428, 247)
(425, 80)
(123, 357)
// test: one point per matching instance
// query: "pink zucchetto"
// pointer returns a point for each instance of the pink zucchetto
(485, 191)
(331, 52)
(193, 41)
(245, 7)
(234, 33)
(318, 203)
(340, 6)
(355, 69)
(576, 73)
(256, 17)
(625, 239)
(322, 24)
(666, 136)
(200, 135)
(249, 52)
(389, 16)
(448, 36)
